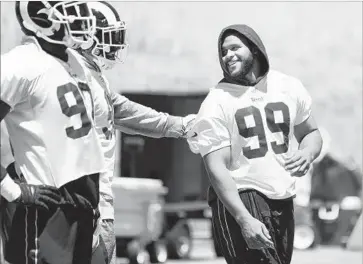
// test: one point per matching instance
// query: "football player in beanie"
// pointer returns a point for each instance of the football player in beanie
(114, 111)
(47, 107)
(244, 130)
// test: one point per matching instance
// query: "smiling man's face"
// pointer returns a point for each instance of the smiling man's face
(236, 55)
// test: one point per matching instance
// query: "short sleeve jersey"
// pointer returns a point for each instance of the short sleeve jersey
(258, 125)
(50, 123)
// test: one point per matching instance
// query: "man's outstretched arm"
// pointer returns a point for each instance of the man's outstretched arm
(133, 118)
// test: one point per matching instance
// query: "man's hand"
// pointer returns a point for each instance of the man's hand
(188, 123)
(299, 164)
(42, 196)
(255, 233)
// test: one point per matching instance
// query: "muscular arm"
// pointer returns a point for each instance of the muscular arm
(216, 163)
(310, 143)
(134, 118)
(309, 138)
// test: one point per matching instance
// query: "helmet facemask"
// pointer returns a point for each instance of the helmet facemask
(78, 20)
(110, 44)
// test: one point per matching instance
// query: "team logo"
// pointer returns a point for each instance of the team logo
(35, 18)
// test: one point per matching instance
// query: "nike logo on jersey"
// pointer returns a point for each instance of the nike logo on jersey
(191, 134)
(255, 99)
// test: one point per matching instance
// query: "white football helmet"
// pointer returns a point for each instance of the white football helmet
(69, 23)
(110, 46)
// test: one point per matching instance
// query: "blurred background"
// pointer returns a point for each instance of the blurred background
(172, 63)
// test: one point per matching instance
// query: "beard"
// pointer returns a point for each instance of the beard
(246, 65)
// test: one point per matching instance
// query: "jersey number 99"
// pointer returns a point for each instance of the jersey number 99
(259, 131)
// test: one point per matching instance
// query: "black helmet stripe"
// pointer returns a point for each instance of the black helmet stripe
(113, 10)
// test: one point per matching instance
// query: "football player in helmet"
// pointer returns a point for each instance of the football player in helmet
(110, 45)
(113, 110)
(47, 107)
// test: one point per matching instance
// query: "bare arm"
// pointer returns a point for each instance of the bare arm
(309, 137)
(216, 163)
(134, 118)
(254, 231)
(310, 144)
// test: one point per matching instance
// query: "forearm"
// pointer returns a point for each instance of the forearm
(134, 118)
(227, 192)
(312, 144)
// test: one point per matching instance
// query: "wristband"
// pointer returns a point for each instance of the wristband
(9, 189)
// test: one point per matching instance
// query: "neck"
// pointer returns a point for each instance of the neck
(56, 50)
(254, 73)
(250, 77)
(91, 62)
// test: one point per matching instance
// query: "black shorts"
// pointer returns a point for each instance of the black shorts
(278, 217)
(62, 235)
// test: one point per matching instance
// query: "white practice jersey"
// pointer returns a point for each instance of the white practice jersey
(259, 128)
(114, 111)
(50, 123)
(104, 119)
(6, 157)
